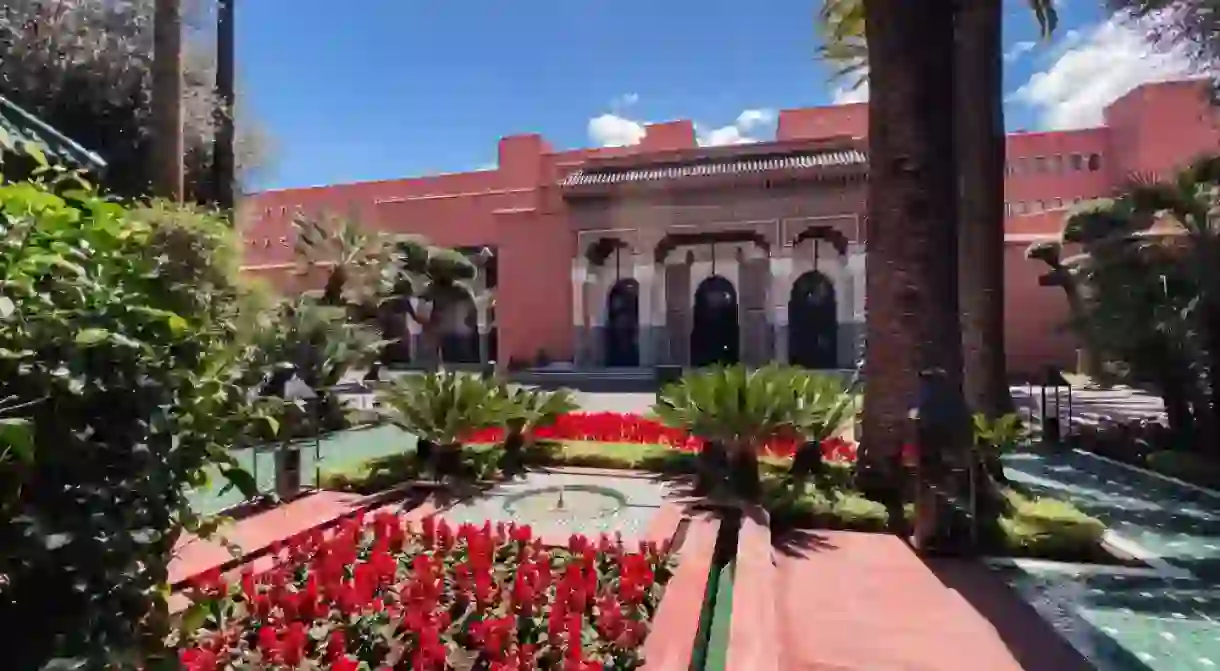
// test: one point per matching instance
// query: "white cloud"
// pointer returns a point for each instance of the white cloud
(754, 118)
(752, 125)
(1093, 67)
(612, 130)
(845, 95)
(1016, 51)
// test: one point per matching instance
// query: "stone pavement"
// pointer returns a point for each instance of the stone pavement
(866, 602)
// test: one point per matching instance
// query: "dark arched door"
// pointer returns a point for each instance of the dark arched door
(813, 327)
(623, 324)
(460, 329)
(714, 330)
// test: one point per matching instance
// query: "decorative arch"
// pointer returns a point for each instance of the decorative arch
(822, 232)
(622, 325)
(674, 240)
(715, 336)
(813, 327)
(459, 327)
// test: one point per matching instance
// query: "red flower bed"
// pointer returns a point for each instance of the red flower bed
(615, 427)
(434, 599)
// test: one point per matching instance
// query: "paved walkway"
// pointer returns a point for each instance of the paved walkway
(866, 602)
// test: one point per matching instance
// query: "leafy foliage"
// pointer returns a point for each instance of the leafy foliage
(376, 276)
(441, 409)
(1146, 294)
(318, 344)
(1000, 435)
(525, 409)
(122, 381)
(85, 67)
(739, 411)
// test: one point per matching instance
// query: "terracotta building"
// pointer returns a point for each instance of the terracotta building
(668, 252)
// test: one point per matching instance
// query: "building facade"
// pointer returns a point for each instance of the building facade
(668, 252)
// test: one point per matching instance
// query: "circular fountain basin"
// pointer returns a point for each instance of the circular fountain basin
(560, 504)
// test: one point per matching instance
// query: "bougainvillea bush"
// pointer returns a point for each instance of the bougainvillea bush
(384, 595)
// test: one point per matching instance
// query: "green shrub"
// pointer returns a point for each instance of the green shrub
(736, 411)
(1188, 466)
(1050, 528)
(441, 409)
(523, 410)
(122, 371)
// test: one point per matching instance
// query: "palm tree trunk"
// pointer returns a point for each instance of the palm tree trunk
(912, 239)
(167, 100)
(912, 320)
(224, 164)
(981, 151)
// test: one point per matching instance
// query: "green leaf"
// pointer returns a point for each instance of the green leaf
(16, 434)
(273, 424)
(92, 336)
(7, 307)
(194, 617)
(242, 480)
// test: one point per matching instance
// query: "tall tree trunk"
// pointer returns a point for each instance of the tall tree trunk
(981, 151)
(912, 321)
(224, 163)
(167, 100)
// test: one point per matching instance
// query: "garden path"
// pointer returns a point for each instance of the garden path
(863, 602)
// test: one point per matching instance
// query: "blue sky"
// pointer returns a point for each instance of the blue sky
(409, 87)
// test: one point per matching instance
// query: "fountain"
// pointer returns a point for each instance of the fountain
(560, 504)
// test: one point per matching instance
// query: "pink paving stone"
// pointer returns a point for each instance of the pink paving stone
(753, 636)
(866, 602)
(256, 533)
(671, 642)
(344, 506)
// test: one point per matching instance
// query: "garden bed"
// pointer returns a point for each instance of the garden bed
(433, 597)
(1038, 528)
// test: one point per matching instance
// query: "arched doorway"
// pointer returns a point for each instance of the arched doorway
(813, 327)
(459, 329)
(714, 330)
(622, 332)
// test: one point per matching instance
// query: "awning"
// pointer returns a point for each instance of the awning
(20, 129)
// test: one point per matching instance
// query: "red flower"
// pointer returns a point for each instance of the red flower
(196, 659)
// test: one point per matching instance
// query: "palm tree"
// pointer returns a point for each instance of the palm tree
(1139, 308)
(980, 145)
(912, 322)
(376, 276)
(1188, 203)
(167, 99)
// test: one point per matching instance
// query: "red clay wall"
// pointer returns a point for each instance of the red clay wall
(516, 208)
(1035, 317)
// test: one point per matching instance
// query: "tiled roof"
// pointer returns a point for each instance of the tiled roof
(744, 164)
(19, 128)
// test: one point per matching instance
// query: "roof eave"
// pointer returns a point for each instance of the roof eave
(743, 179)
